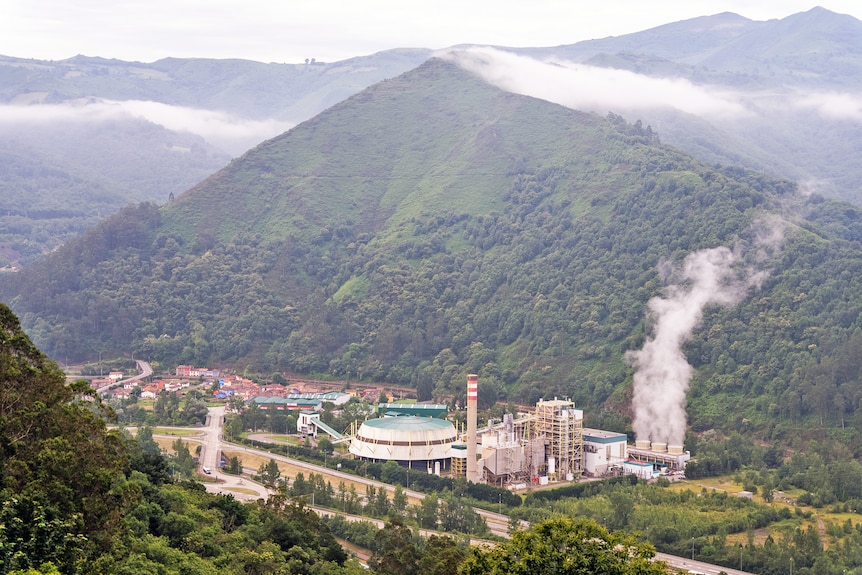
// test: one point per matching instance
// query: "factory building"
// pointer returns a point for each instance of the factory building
(459, 460)
(640, 469)
(561, 427)
(546, 445)
(503, 456)
(419, 442)
(605, 452)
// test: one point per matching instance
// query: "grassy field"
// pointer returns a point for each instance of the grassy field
(167, 444)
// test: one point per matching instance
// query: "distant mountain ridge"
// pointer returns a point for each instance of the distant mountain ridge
(800, 79)
(244, 88)
(815, 48)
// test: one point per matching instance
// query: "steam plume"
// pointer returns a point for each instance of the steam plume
(662, 373)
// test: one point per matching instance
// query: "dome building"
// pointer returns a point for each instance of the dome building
(412, 441)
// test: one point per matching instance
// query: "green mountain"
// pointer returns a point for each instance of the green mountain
(433, 225)
(62, 177)
(87, 136)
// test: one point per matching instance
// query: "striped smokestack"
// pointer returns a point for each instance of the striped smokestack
(472, 415)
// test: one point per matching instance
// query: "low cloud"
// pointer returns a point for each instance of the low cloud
(832, 105)
(592, 88)
(601, 90)
(230, 133)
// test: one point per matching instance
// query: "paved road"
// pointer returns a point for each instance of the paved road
(697, 566)
(240, 487)
(145, 371)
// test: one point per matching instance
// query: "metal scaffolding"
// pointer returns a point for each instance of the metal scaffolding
(562, 428)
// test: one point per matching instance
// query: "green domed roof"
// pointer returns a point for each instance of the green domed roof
(408, 423)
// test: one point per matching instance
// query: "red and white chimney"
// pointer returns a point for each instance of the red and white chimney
(472, 416)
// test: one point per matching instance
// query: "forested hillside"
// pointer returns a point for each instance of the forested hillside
(433, 225)
(61, 177)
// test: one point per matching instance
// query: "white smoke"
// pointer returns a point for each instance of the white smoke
(662, 373)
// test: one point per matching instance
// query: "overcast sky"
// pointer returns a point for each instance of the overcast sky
(331, 30)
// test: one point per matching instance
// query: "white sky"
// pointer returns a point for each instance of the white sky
(331, 30)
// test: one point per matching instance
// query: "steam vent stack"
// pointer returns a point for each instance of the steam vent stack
(472, 415)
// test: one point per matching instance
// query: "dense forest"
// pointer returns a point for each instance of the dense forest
(354, 247)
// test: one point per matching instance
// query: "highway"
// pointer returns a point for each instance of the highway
(145, 371)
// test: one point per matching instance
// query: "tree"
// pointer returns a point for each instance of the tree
(234, 466)
(233, 427)
(426, 512)
(393, 474)
(146, 441)
(457, 516)
(235, 404)
(399, 501)
(325, 446)
(566, 546)
(268, 473)
(195, 411)
(183, 460)
(60, 471)
(395, 553)
(380, 503)
(441, 556)
(300, 485)
(278, 422)
(253, 416)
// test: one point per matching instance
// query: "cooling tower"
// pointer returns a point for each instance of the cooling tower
(674, 449)
(472, 415)
(642, 444)
(659, 447)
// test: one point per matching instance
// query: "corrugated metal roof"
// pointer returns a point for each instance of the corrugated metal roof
(601, 436)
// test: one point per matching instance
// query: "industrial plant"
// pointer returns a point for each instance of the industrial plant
(546, 445)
